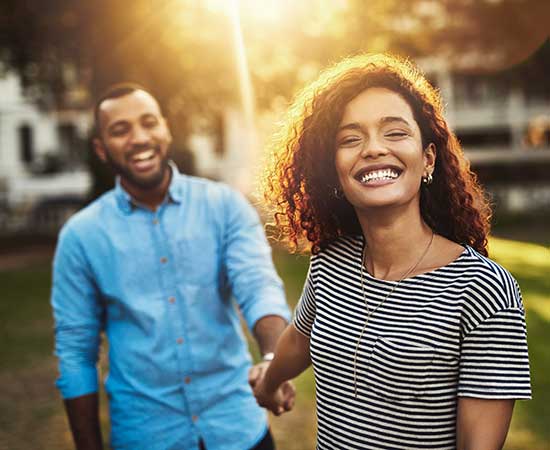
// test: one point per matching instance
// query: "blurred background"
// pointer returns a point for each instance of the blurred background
(225, 70)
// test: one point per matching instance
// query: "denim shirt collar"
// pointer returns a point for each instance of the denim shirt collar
(127, 204)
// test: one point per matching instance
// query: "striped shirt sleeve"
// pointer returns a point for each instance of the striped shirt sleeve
(304, 315)
(494, 359)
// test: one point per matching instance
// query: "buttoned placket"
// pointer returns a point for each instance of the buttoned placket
(169, 282)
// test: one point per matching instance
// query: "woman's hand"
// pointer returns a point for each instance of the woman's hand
(268, 378)
(277, 401)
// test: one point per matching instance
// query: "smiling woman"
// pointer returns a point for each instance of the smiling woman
(416, 337)
(379, 144)
(302, 177)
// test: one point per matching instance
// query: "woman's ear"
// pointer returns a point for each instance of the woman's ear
(430, 155)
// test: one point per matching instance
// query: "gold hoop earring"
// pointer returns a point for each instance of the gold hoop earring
(428, 179)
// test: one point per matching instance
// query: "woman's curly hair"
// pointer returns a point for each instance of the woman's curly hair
(300, 179)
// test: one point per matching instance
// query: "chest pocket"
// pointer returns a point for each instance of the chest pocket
(398, 372)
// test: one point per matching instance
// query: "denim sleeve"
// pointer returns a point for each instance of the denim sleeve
(78, 318)
(255, 284)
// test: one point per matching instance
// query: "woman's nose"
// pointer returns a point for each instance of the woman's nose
(373, 148)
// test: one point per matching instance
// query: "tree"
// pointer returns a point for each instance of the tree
(59, 45)
(184, 48)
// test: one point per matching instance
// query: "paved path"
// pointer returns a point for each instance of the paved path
(26, 256)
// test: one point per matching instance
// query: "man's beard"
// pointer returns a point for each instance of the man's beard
(142, 183)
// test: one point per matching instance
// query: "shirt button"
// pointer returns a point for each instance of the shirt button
(194, 418)
(172, 299)
(179, 340)
(163, 260)
(155, 221)
(187, 380)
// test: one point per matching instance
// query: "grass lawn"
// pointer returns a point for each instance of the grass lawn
(31, 413)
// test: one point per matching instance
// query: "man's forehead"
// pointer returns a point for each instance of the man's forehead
(135, 103)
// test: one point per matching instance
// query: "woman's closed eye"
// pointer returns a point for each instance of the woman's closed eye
(396, 135)
(349, 141)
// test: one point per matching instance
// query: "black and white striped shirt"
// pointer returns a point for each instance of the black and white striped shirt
(455, 331)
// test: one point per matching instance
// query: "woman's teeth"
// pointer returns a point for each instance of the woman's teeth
(377, 175)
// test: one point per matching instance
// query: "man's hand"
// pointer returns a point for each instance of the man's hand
(257, 372)
(279, 401)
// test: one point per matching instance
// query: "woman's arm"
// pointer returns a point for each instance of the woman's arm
(482, 424)
(291, 359)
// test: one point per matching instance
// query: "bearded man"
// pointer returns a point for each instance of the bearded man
(157, 265)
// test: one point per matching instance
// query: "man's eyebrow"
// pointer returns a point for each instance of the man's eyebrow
(125, 122)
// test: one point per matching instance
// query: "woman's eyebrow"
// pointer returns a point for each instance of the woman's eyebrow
(383, 121)
(351, 126)
(390, 119)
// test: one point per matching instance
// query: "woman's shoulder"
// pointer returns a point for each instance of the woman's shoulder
(486, 266)
(342, 249)
(489, 282)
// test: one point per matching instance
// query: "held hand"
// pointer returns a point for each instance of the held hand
(256, 373)
(279, 401)
(288, 392)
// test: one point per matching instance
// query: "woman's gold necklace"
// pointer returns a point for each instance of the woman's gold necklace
(371, 312)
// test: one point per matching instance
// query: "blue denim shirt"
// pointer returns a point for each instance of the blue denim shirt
(163, 286)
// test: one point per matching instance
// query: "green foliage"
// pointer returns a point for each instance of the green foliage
(25, 330)
(530, 264)
(293, 270)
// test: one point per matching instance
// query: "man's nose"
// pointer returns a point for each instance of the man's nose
(140, 135)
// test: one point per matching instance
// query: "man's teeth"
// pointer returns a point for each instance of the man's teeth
(144, 155)
(376, 175)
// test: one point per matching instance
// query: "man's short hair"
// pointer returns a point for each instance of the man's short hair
(115, 91)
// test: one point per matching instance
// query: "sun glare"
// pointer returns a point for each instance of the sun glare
(266, 11)
(259, 11)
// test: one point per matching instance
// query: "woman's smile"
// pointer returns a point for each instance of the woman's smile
(379, 157)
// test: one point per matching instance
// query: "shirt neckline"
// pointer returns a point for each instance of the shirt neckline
(427, 274)
(173, 194)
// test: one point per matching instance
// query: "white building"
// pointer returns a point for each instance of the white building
(493, 111)
(40, 156)
(503, 122)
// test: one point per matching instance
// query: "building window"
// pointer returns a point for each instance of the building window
(26, 143)
(485, 139)
(480, 90)
(71, 146)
